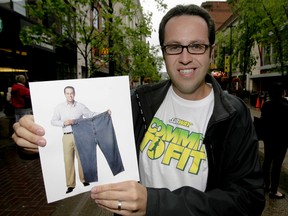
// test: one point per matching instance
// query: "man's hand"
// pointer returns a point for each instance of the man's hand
(28, 135)
(68, 122)
(124, 198)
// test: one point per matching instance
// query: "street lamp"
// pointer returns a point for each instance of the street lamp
(111, 42)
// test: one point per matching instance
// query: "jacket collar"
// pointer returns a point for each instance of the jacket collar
(223, 108)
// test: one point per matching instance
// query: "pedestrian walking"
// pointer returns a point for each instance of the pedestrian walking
(20, 98)
(274, 115)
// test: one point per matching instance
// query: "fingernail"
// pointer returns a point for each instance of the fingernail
(40, 131)
(41, 142)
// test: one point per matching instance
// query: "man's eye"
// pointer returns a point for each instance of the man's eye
(196, 46)
(174, 47)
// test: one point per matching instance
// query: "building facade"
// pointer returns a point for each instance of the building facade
(255, 82)
(39, 61)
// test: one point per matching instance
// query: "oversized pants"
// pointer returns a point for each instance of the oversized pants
(90, 132)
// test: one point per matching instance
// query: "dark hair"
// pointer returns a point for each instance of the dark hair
(71, 87)
(276, 91)
(193, 10)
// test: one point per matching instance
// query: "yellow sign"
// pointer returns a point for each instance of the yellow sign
(227, 64)
(104, 51)
(213, 66)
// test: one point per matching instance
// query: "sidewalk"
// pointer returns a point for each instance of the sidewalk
(22, 189)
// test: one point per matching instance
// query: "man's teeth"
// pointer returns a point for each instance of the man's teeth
(186, 71)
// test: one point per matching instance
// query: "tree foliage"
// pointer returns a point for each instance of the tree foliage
(59, 23)
(264, 22)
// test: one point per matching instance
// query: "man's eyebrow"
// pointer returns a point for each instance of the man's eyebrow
(191, 42)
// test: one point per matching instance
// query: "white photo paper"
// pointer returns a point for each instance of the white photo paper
(97, 142)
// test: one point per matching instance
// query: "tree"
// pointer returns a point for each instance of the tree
(244, 31)
(264, 22)
(274, 24)
(74, 22)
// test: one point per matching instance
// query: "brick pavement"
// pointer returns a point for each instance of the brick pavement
(22, 189)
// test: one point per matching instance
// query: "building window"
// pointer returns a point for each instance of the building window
(267, 57)
(103, 23)
(65, 27)
(95, 18)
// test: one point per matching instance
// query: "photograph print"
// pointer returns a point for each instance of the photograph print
(89, 133)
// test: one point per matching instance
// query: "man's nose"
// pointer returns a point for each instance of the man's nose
(185, 57)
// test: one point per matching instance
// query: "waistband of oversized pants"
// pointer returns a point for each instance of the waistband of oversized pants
(101, 115)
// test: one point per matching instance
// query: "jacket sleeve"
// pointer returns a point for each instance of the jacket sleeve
(25, 92)
(236, 185)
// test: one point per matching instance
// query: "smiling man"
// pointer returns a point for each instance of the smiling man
(198, 150)
(197, 146)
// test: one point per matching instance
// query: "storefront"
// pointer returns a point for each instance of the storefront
(38, 62)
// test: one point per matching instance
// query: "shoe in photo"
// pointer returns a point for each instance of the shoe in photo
(69, 190)
(86, 184)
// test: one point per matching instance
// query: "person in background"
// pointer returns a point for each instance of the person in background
(197, 146)
(20, 98)
(8, 94)
(9, 111)
(274, 114)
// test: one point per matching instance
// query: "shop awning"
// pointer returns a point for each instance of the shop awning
(263, 75)
(12, 70)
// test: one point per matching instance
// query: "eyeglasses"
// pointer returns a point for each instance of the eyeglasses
(195, 48)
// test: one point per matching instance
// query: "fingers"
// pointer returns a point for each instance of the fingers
(114, 208)
(27, 122)
(112, 187)
(27, 134)
(24, 143)
(131, 195)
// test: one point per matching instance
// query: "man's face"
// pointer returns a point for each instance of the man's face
(187, 71)
(69, 94)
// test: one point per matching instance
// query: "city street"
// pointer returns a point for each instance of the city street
(22, 189)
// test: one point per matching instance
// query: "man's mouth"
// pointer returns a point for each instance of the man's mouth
(186, 71)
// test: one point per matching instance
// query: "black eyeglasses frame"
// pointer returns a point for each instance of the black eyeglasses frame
(182, 46)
